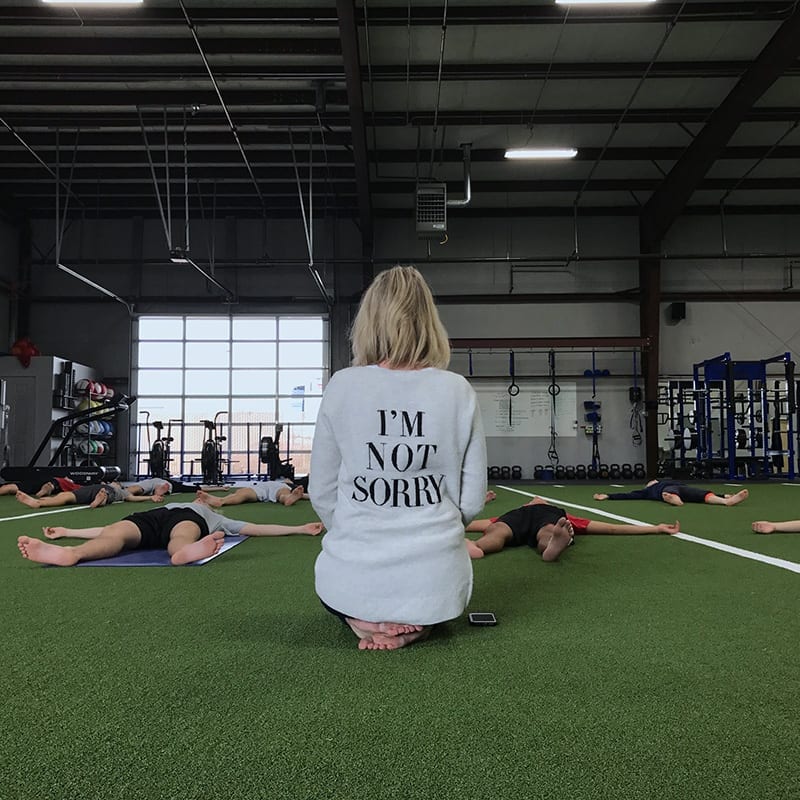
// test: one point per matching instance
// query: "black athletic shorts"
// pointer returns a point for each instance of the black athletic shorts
(86, 494)
(525, 522)
(156, 525)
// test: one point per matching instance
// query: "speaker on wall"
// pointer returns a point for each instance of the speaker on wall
(677, 311)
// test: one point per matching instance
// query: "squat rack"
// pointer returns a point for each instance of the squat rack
(724, 369)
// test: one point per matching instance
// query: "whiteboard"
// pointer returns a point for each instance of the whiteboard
(531, 409)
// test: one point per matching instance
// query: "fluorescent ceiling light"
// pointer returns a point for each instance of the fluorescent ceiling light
(93, 2)
(603, 2)
(541, 152)
(178, 260)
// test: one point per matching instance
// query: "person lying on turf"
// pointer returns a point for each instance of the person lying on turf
(281, 491)
(187, 531)
(790, 526)
(676, 494)
(94, 495)
(45, 490)
(547, 528)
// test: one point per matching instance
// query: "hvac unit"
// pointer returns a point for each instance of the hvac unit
(431, 209)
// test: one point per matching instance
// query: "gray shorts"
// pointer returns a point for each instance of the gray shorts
(148, 485)
(267, 491)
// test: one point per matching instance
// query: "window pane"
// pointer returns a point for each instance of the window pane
(300, 328)
(300, 409)
(200, 408)
(207, 381)
(254, 354)
(160, 354)
(300, 354)
(309, 379)
(254, 328)
(161, 328)
(161, 381)
(254, 381)
(162, 408)
(254, 409)
(300, 438)
(207, 354)
(208, 328)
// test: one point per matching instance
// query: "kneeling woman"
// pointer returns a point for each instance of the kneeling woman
(398, 467)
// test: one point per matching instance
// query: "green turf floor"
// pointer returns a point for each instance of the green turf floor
(635, 667)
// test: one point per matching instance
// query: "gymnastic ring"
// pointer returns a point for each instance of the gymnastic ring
(513, 389)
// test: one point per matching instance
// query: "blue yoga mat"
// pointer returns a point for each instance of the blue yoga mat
(156, 558)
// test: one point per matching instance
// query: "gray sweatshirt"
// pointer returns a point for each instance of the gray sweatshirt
(398, 467)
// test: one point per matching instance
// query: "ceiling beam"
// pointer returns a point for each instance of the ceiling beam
(666, 204)
(64, 118)
(122, 44)
(358, 128)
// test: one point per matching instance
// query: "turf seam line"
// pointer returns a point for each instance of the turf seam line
(43, 513)
(791, 566)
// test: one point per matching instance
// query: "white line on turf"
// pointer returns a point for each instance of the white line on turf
(43, 513)
(791, 566)
(790, 484)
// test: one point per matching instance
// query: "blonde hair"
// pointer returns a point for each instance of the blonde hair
(397, 323)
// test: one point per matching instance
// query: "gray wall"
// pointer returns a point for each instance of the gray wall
(129, 257)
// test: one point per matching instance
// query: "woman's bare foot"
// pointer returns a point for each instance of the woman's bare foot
(101, 498)
(380, 641)
(202, 548)
(29, 501)
(313, 528)
(44, 553)
(473, 549)
(600, 496)
(763, 527)
(293, 496)
(386, 628)
(557, 539)
(735, 499)
(208, 499)
(671, 498)
(54, 532)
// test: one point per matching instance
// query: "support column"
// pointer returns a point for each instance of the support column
(649, 328)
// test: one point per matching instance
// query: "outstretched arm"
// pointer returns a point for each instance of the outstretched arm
(478, 525)
(790, 526)
(256, 529)
(608, 528)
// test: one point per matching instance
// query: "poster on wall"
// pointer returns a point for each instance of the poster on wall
(530, 412)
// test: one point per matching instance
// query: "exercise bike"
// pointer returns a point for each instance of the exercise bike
(159, 450)
(269, 454)
(211, 456)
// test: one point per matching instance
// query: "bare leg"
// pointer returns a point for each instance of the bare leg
(473, 549)
(58, 532)
(671, 498)
(60, 499)
(184, 549)
(112, 540)
(553, 540)
(100, 499)
(735, 499)
(238, 497)
(290, 497)
(10, 488)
